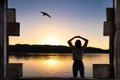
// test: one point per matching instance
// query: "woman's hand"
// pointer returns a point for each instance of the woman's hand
(78, 37)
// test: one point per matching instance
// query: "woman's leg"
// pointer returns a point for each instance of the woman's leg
(81, 69)
(75, 69)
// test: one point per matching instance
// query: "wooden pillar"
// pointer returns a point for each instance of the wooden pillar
(117, 40)
(3, 35)
(110, 14)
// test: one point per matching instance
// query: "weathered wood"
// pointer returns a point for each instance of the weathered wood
(13, 29)
(109, 30)
(117, 40)
(108, 26)
(3, 35)
(11, 15)
(14, 70)
(103, 71)
(54, 78)
(109, 14)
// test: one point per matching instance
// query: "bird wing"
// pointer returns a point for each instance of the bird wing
(44, 13)
(48, 15)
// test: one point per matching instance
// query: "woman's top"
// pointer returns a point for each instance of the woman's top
(77, 53)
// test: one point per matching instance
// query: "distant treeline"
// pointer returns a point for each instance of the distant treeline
(25, 48)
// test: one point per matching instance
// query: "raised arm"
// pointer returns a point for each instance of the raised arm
(70, 41)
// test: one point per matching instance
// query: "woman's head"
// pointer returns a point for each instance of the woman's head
(78, 44)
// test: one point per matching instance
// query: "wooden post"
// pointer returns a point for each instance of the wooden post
(3, 37)
(109, 30)
(117, 40)
(111, 18)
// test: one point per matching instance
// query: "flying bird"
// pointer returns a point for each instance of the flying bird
(46, 14)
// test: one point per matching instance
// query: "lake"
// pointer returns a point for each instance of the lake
(56, 64)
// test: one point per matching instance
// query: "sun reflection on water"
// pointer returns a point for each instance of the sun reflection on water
(52, 62)
(57, 65)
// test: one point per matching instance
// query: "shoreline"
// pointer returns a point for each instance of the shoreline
(50, 49)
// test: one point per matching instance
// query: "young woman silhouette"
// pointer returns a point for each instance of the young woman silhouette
(78, 51)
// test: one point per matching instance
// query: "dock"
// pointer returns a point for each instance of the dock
(9, 27)
(54, 78)
(61, 78)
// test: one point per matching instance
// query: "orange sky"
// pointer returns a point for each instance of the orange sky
(76, 17)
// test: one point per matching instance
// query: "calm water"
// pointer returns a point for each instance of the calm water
(56, 65)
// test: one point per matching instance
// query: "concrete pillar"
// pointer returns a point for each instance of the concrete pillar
(117, 40)
(3, 46)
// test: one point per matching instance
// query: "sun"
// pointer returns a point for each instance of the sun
(51, 40)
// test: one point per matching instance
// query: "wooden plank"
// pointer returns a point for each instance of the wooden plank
(108, 28)
(54, 78)
(11, 15)
(13, 29)
(117, 41)
(103, 71)
(15, 70)
(110, 14)
(3, 36)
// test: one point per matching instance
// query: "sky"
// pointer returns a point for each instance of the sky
(69, 18)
